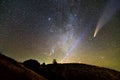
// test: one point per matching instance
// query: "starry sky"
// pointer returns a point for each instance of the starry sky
(61, 29)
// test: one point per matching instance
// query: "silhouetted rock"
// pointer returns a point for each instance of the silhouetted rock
(32, 64)
(54, 61)
(12, 70)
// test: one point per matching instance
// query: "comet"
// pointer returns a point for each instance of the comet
(96, 31)
(109, 11)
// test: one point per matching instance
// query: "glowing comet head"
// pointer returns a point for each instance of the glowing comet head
(96, 30)
(95, 34)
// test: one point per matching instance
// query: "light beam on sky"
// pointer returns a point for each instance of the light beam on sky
(79, 39)
(73, 47)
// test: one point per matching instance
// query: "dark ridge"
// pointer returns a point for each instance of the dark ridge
(75, 71)
(12, 70)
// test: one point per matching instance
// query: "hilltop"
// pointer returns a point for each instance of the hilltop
(13, 70)
(73, 71)
(33, 70)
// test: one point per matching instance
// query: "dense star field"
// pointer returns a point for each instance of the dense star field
(72, 31)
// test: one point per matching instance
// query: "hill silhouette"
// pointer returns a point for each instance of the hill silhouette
(33, 70)
(12, 70)
(73, 71)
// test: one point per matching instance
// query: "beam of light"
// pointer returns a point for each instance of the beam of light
(73, 47)
(110, 10)
(79, 39)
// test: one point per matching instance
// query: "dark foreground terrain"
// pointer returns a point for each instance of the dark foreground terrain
(12, 70)
(32, 70)
(72, 71)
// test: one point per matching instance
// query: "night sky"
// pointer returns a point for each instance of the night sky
(72, 31)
